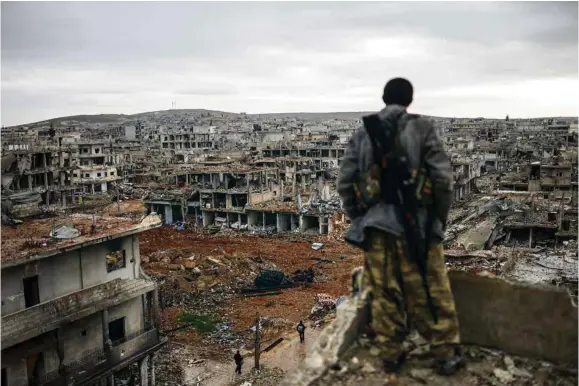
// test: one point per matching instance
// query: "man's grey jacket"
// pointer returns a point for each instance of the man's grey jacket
(419, 138)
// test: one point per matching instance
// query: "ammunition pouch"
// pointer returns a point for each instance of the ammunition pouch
(372, 187)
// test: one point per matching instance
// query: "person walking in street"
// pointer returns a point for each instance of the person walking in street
(238, 362)
(395, 182)
(301, 330)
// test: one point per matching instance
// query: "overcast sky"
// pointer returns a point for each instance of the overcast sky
(464, 59)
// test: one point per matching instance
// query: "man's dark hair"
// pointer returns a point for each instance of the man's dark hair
(398, 91)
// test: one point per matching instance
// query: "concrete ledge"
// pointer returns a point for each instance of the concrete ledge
(525, 320)
(30, 322)
(530, 321)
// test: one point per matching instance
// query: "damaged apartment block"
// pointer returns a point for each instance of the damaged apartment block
(76, 306)
(60, 172)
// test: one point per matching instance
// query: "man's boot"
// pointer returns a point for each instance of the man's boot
(394, 366)
(451, 365)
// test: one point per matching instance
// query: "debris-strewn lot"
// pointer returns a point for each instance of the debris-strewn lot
(211, 291)
(202, 278)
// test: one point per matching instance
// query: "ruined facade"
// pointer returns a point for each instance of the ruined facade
(79, 310)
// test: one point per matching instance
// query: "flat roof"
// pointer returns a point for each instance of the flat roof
(276, 206)
(231, 169)
(31, 240)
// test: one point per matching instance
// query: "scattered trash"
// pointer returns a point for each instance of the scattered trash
(64, 232)
(325, 261)
(317, 246)
(303, 276)
(270, 279)
(215, 261)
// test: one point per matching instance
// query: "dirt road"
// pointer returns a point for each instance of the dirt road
(287, 356)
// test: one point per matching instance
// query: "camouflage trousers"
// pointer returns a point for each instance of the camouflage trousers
(398, 300)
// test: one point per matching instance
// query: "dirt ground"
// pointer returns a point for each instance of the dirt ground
(210, 372)
(210, 270)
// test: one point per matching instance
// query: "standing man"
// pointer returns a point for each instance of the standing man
(238, 362)
(301, 330)
(396, 185)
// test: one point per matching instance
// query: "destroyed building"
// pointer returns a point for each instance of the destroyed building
(43, 169)
(540, 177)
(211, 175)
(76, 306)
(96, 168)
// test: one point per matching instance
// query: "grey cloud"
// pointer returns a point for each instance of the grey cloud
(245, 53)
(207, 91)
(123, 31)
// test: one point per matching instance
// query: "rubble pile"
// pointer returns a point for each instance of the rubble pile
(168, 369)
(205, 275)
(485, 367)
(127, 191)
(323, 206)
(170, 194)
(265, 376)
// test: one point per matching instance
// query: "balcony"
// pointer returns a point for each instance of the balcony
(97, 363)
(92, 180)
(30, 322)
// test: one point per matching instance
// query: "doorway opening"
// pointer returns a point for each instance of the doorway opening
(117, 330)
(31, 294)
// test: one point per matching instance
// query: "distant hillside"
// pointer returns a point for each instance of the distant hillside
(335, 115)
(122, 118)
(118, 118)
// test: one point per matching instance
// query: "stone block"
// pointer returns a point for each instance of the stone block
(525, 320)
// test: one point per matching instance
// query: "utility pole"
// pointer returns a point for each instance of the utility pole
(118, 199)
(257, 342)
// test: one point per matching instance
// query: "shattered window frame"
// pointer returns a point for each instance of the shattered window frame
(119, 256)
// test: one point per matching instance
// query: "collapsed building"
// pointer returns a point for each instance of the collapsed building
(246, 198)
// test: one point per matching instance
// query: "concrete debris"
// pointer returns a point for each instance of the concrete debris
(503, 376)
(317, 246)
(265, 376)
(484, 367)
(509, 363)
(215, 261)
(64, 232)
(368, 368)
(421, 374)
(340, 300)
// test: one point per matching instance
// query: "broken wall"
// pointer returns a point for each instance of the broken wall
(539, 322)
(256, 198)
